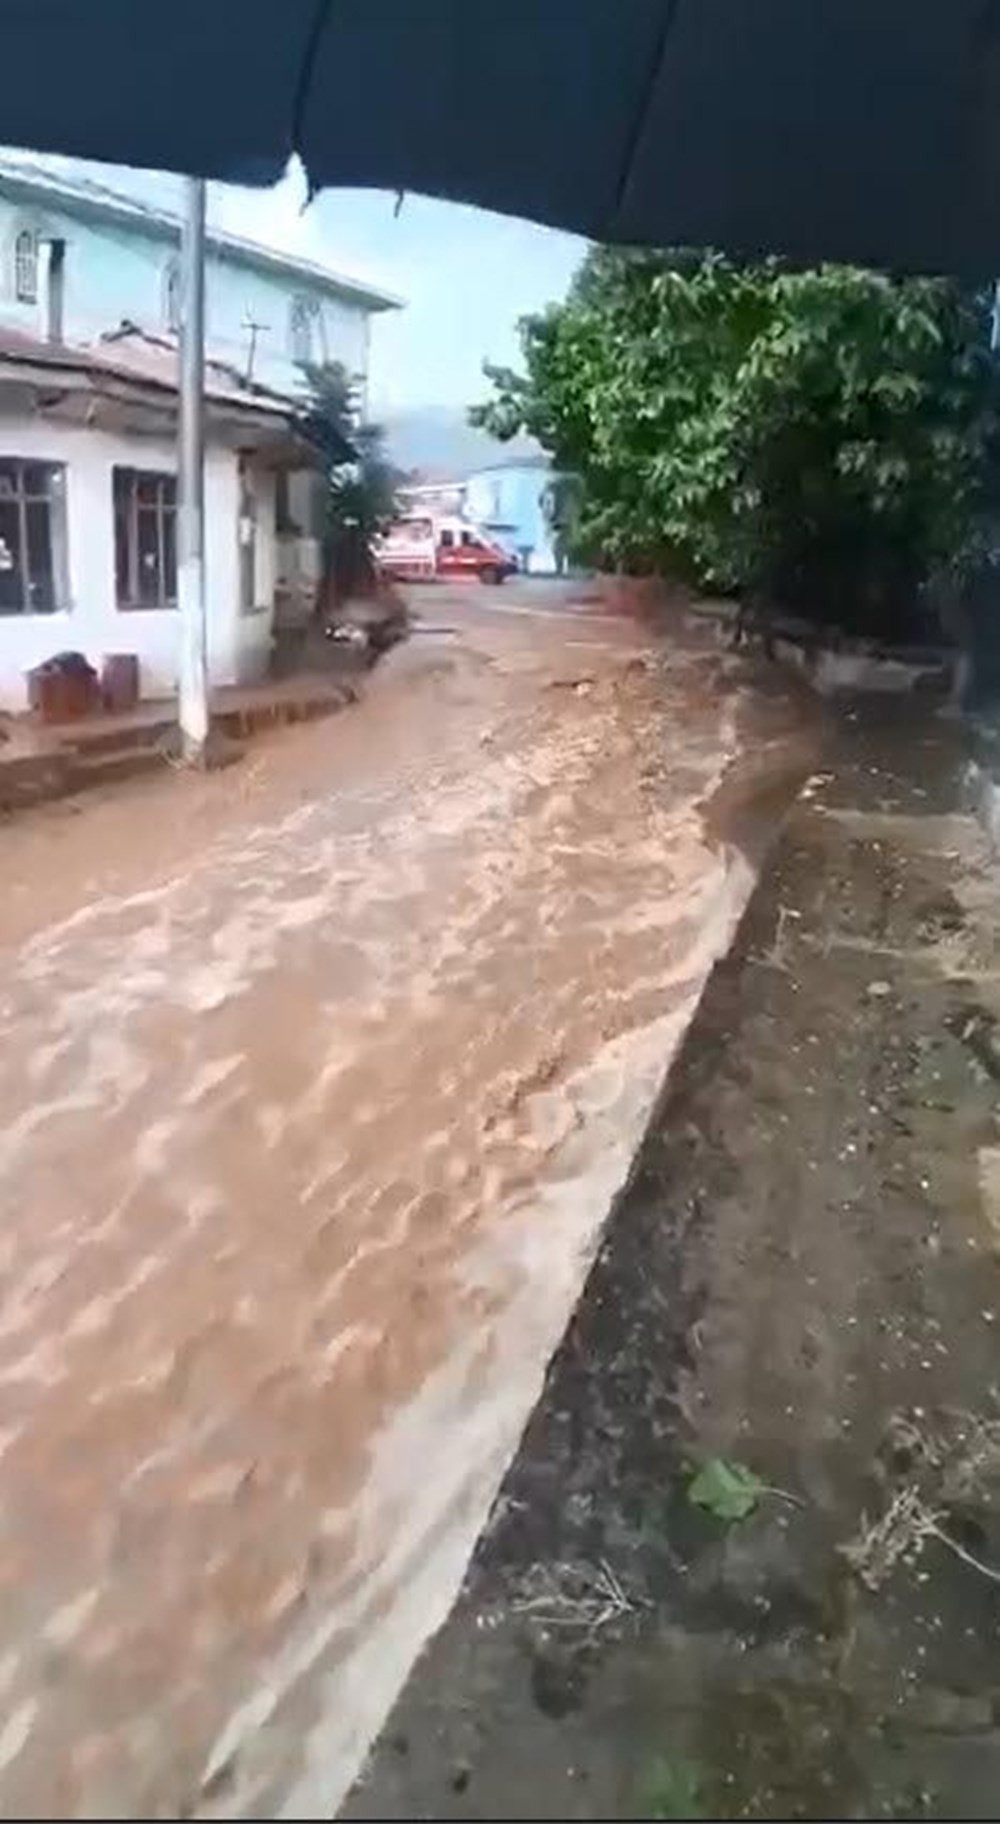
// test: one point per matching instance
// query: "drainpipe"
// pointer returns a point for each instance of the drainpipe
(56, 294)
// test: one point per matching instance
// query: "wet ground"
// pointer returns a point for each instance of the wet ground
(318, 1079)
(803, 1279)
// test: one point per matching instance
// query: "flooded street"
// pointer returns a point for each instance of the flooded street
(319, 1079)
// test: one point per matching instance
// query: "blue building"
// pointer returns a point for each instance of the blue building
(266, 311)
(515, 502)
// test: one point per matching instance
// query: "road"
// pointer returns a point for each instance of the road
(318, 1079)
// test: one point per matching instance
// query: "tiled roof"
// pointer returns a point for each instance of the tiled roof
(130, 354)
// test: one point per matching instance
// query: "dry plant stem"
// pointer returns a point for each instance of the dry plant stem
(976, 1564)
(783, 1494)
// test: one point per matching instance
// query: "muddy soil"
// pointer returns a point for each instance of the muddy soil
(803, 1277)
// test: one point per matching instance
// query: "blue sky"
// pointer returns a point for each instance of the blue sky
(467, 276)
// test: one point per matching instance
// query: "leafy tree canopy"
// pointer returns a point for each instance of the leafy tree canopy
(823, 437)
(360, 482)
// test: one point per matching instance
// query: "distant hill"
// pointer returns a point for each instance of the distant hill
(439, 443)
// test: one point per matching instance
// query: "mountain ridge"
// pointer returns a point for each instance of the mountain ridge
(437, 443)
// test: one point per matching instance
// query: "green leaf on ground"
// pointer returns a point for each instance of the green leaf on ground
(728, 1490)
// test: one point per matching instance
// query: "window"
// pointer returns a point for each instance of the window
(447, 537)
(172, 296)
(26, 266)
(469, 538)
(32, 537)
(145, 539)
(302, 320)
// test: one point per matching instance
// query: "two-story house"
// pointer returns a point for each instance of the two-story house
(89, 311)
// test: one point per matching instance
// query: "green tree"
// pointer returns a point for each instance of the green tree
(360, 483)
(822, 437)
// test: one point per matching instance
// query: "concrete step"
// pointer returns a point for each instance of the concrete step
(27, 779)
(142, 742)
(141, 728)
(249, 718)
(110, 767)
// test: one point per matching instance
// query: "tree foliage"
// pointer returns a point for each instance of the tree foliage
(823, 437)
(360, 482)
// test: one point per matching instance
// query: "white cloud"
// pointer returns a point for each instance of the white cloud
(276, 218)
(285, 218)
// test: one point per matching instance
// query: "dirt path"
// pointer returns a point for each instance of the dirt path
(804, 1278)
(317, 1080)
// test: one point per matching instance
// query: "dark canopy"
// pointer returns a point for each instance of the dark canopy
(866, 130)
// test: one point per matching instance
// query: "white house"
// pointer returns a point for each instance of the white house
(88, 494)
(88, 410)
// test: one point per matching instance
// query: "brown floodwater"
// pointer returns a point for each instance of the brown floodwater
(316, 1090)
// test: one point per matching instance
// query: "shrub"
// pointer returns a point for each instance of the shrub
(821, 437)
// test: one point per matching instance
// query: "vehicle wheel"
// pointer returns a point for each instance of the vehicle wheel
(491, 573)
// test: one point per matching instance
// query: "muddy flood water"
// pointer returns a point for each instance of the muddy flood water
(319, 1078)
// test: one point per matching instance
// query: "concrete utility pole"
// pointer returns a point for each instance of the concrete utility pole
(193, 707)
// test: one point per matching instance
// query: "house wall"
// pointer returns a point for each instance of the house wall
(508, 503)
(113, 272)
(237, 294)
(238, 644)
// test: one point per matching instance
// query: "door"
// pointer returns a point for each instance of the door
(448, 553)
(472, 553)
(247, 532)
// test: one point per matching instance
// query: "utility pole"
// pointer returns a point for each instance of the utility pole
(193, 706)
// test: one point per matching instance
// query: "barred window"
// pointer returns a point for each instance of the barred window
(145, 539)
(26, 266)
(33, 567)
(302, 322)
